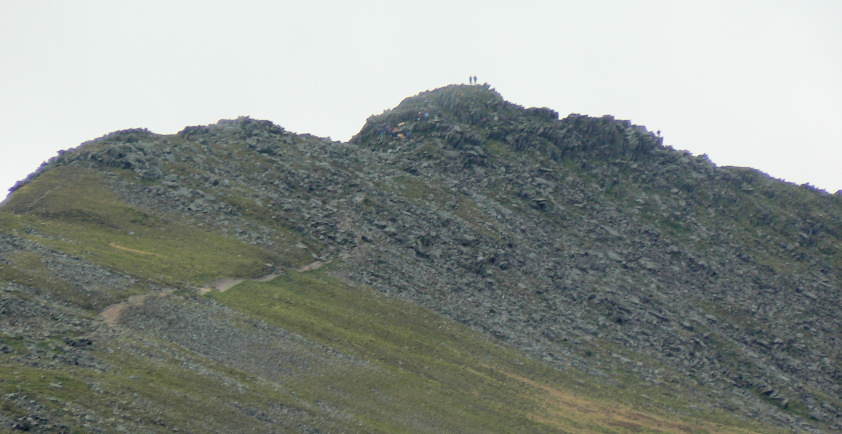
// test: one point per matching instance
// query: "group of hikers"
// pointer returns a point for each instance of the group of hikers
(472, 79)
(401, 131)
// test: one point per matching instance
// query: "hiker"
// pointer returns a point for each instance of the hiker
(475, 80)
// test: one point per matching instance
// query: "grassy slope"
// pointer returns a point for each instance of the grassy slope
(420, 371)
(68, 210)
(431, 369)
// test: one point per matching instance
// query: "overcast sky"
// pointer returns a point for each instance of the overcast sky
(750, 83)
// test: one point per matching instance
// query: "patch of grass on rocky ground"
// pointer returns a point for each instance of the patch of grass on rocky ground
(27, 268)
(69, 210)
(190, 392)
(145, 387)
(420, 191)
(50, 388)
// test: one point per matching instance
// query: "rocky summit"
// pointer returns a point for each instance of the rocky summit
(462, 264)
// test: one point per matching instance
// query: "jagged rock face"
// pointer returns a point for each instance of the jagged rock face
(580, 241)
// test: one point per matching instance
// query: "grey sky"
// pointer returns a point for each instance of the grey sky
(750, 83)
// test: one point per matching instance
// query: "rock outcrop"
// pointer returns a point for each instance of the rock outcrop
(582, 242)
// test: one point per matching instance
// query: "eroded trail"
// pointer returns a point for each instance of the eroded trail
(111, 314)
(225, 284)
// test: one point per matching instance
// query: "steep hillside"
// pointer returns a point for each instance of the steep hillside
(462, 264)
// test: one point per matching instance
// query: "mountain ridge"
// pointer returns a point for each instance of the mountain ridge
(581, 242)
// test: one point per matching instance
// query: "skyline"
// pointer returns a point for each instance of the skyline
(748, 83)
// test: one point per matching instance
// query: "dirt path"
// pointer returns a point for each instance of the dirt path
(139, 252)
(225, 284)
(111, 314)
(309, 267)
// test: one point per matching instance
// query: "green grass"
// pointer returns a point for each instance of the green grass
(422, 365)
(180, 394)
(413, 372)
(416, 354)
(149, 390)
(68, 209)
(27, 268)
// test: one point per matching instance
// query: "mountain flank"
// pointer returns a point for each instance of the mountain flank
(461, 264)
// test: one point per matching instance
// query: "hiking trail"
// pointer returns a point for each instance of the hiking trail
(111, 314)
